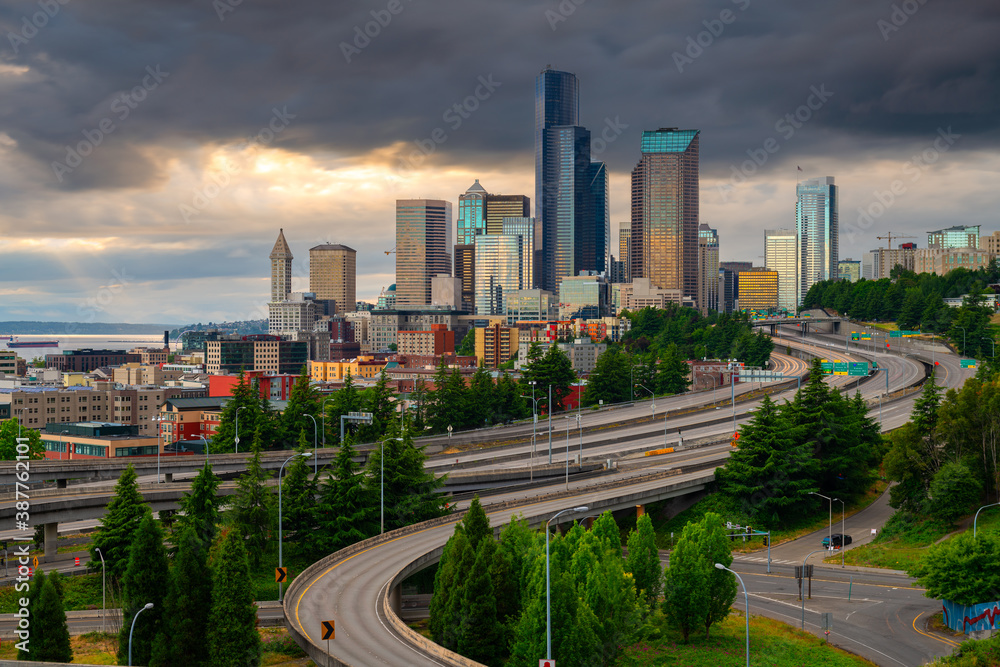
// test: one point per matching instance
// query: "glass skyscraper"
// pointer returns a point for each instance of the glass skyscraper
(503, 264)
(571, 234)
(471, 214)
(423, 248)
(818, 228)
(708, 269)
(665, 188)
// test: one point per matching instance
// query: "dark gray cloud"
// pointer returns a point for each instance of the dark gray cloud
(897, 71)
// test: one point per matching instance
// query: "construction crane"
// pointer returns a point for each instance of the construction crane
(389, 252)
(888, 246)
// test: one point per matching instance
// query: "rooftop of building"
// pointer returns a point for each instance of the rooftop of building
(332, 246)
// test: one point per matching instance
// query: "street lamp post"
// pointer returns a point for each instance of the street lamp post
(976, 518)
(843, 531)
(315, 445)
(280, 470)
(994, 344)
(802, 593)
(104, 608)
(746, 605)
(549, 404)
(813, 493)
(534, 424)
(963, 338)
(236, 440)
(579, 428)
(548, 597)
(149, 605)
(567, 452)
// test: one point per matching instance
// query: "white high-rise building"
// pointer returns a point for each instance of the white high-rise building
(818, 227)
(780, 254)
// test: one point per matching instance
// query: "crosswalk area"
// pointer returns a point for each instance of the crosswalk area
(754, 559)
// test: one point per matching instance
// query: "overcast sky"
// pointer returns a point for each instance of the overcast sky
(151, 150)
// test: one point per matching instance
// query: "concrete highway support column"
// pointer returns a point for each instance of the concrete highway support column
(168, 477)
(639, 511)
(61, 483)
(51, 538)
(396, 601)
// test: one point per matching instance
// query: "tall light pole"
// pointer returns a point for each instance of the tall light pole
(976, 518)
(304, 455)
(63, 443)
(104, 608)
(963, 338)
(994, 344)
(579, 428)
(236, 440)
(550, 424)
(548, 596)
(315, 445)
(567, 452)
(534, 423)
(746, 605)
(843, 531)
(813, 493)
(149, 605)
(381, 503)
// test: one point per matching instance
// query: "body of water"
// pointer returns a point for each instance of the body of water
(77, 342)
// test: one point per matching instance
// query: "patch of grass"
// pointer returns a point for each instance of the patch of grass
(973, 653)
(901, 544)
(279, 646)
(772, 644)
(79, 593)
(422, 626)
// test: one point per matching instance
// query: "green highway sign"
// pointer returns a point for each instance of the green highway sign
(907, 332)
(895, 334)
(827, 367)
(858, 368)
(840, 368)
(855, 335)
(968, 363)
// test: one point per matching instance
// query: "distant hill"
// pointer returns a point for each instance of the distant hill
(80, 328)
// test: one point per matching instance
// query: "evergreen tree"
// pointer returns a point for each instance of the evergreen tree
(346, 400)
(245, 399)
(34, 592)
(345, 511)
(480, 632)
(232, 631)
(446, 585)
(447, 403)
(476, 524)
(145, 581)
(10, 432)
(452, 607)
(483, 395)
(116, 532)
(510, 403)
(50, 636)
(643, 561)
(672, 372)
(378, 401)
(954, 492)
(770, 473)
(183, 637)
(507, 575)
(685, 584)
(298, 497)
(720, 585)
(302, 401)
(411, 492)
(254, 508)
(200, 507)
(609, 380)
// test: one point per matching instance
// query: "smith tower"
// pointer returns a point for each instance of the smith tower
(281, 269)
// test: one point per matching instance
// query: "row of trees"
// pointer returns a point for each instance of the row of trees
(489, 600)
(916, 301)
(687, 334)
(821, 441)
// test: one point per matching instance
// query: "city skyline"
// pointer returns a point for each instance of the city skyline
(129, 166)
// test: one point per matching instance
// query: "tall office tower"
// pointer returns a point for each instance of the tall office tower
(708, 269)
(780, 246)
(959, 236)
(503, 264)
(599, 191)
(818, 227)
(281, 269)
(465, 270)
(665, 183)
(624, 249)
(423, 248)
(471, 214)
(568, 187)
(333, 276)
(499, 207)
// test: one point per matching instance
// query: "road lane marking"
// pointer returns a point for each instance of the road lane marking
(927, 634)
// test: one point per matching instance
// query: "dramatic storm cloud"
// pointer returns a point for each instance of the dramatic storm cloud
(159, 145)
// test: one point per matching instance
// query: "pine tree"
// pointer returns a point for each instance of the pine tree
(483, 395)
(346, 400)
(200, 507)
(254, 509)
(245, 399)
(643, 561)
(183, 637)
(411, 492)
(446, 585)
(232, 632)
(685, 584)
(480, 632)
(609, 380)
(378, 401)
(145, 581)
(34, 592)
(116, 531)
(720, 585)
(302, 401)
(298, 500)
(345, 513)
(464, 557)
(476, 524)
(50, 636)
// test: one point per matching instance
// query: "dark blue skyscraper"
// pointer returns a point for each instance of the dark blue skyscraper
(570, 194)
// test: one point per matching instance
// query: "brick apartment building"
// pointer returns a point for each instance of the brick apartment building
(87, 360)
